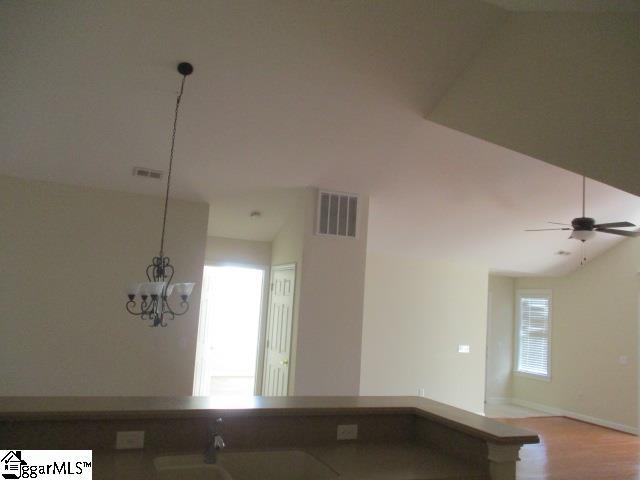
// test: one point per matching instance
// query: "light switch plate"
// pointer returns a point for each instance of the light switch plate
(347, 432)
(464, 349)
(130, 440)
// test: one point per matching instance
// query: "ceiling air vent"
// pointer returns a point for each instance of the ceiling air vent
(337, 214)
(147, 172)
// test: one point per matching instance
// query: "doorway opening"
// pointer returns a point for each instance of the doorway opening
(229, 331)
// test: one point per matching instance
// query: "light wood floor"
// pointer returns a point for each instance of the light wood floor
(572, 450)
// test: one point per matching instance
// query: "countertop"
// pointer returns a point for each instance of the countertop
(351, 461)
(81, 408)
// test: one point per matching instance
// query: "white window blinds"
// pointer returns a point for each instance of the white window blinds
(534, 326)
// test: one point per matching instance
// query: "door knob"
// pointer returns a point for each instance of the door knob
(284, 362)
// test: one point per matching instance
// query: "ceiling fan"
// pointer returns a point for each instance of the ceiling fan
(583, 228)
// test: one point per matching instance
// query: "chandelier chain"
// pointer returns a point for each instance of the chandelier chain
(173, 141)
(151, 300)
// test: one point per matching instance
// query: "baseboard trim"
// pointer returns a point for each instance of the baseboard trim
(498, 401)
(576, 416)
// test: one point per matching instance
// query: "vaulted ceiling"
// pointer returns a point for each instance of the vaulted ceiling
(286, 94)
(560, 87)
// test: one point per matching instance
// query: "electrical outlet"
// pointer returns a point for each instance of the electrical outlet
(347, 432)
(421, 392)
(623, 360)
(130, 440)
(464, 349)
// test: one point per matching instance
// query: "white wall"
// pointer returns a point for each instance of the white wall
(327, 327)
(288, 248)
(66, 254)
(416, 313)
(595, 321)
(234, 251)
(560, 87)
(500, 338)
(330, 323)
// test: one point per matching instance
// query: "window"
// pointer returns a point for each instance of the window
(533, 310)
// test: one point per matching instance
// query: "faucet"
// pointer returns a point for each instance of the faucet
(215, 443)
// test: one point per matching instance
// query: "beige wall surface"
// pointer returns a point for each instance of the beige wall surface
(233, 251)
(594, 323)
(500, 338)
(416, 313)
(560, 87)
(330, 326)
(327, 329)
(287, 248)
(66, 255)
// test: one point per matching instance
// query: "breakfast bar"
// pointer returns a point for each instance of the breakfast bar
(309, 437)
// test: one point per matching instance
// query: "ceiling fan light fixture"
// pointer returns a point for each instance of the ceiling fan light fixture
(582, 235)
(584, 228)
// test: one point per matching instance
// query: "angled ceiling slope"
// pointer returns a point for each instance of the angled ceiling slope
(560, 87)
(285, 94)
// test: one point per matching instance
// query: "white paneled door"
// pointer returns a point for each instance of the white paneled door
(278, 334)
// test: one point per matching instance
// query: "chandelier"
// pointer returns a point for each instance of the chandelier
(154, 295)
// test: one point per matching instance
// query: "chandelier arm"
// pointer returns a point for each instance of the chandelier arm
(157, 321)
(169, 313)
(148, 309)
(157, 312)
(149, 271)
(167, 307)
(167, 268)
(158, 269)
(173, 141)
(131, 304)
(158, 318)
(184, 305)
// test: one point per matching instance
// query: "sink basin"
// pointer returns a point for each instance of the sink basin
(275, 465)
(188, 467)
(256, 465)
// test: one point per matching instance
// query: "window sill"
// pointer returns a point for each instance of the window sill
(532, 376)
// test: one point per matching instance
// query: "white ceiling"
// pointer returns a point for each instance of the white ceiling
(285, 94)
(230, 213)
(473, 200)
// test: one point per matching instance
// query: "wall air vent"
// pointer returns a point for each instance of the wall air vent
(148, 173)
(337, 214)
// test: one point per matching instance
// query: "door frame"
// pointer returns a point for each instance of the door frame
(488, 339)
(275, 268)
(262, 326)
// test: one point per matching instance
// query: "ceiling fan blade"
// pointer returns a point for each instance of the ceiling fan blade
(624, 233)
(559, 223)
(547, 229)
(615, 225)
